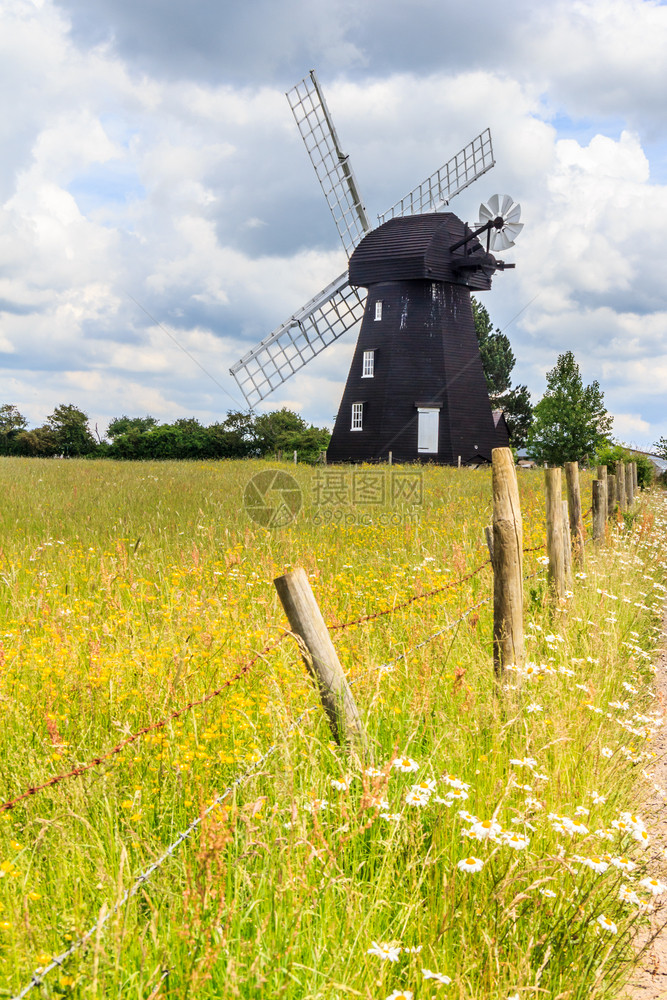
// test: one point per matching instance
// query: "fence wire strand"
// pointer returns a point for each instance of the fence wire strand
(40, 974)
(75, 772)
(339, 626)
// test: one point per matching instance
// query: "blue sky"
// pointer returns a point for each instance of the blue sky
(150, 156)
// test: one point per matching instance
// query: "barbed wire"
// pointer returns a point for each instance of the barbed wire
(57, 961)
(338, 626)
(75, 772)
(384, 668)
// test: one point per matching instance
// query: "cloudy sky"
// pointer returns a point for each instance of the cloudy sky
(156, 198)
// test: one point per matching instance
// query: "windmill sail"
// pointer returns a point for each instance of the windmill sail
(331, 164)
(455, 175)
(303, 336)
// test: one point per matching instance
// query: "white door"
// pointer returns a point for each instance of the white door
(427, 433)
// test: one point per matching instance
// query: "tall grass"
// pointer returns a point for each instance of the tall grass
(127, 591)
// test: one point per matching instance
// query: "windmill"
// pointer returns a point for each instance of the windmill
(416, 386)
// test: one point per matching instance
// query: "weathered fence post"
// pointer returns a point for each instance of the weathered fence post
(635, 474)
(574, 507)
(629, 485)
(599, 507)
(320, 656)
(507, 558)
(602, 476)
(567, 547)
(553, 481)
(611, 494)
(488, 534)
(620, 486)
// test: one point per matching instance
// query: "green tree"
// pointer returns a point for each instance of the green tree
(518, 412)
(660, 447)
(12, 423)
(234, 437)
(123, 425)
(69, 426)
(284, 430)
(275, 431)
(570, 422)
(498, 361)
(40, 442)
(497, 356)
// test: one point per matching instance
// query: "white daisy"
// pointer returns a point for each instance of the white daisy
(595, 864)
(470, 864)
(414, 798)
(654, 886)
(453, 782)
(437, 976)
(385, 951)
(457, 795)
(405, 764)
(516, 840)
(467, 817)
(486, 829)
(627, 895)
(623, 864)
(607, 924)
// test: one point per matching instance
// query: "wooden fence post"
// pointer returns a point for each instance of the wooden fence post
(602, 476)
(320, 656)
(574, 507)
(488, 534)
(620, 486)
(599, 507)
(635, 474)
(629, 485)
(611, 494)
(567, 547)
(553, 481)
(508, 641)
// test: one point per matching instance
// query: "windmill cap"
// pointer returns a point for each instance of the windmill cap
(417, 247)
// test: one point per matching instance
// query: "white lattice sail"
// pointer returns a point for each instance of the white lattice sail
(331, 164)
(449, 180)
(301, 338)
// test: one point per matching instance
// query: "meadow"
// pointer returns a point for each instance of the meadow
(493, 843)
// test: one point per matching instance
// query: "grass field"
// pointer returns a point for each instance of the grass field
(489, 838)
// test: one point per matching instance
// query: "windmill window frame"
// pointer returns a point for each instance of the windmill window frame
(368, 364)
(357, 417)
(378, 310)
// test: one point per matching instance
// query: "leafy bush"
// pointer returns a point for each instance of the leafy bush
(613, 453)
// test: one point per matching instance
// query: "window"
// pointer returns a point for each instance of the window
(368, 367)
(357, 416)
(378, 309)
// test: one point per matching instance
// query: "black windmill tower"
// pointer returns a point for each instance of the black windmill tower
(416, 386)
